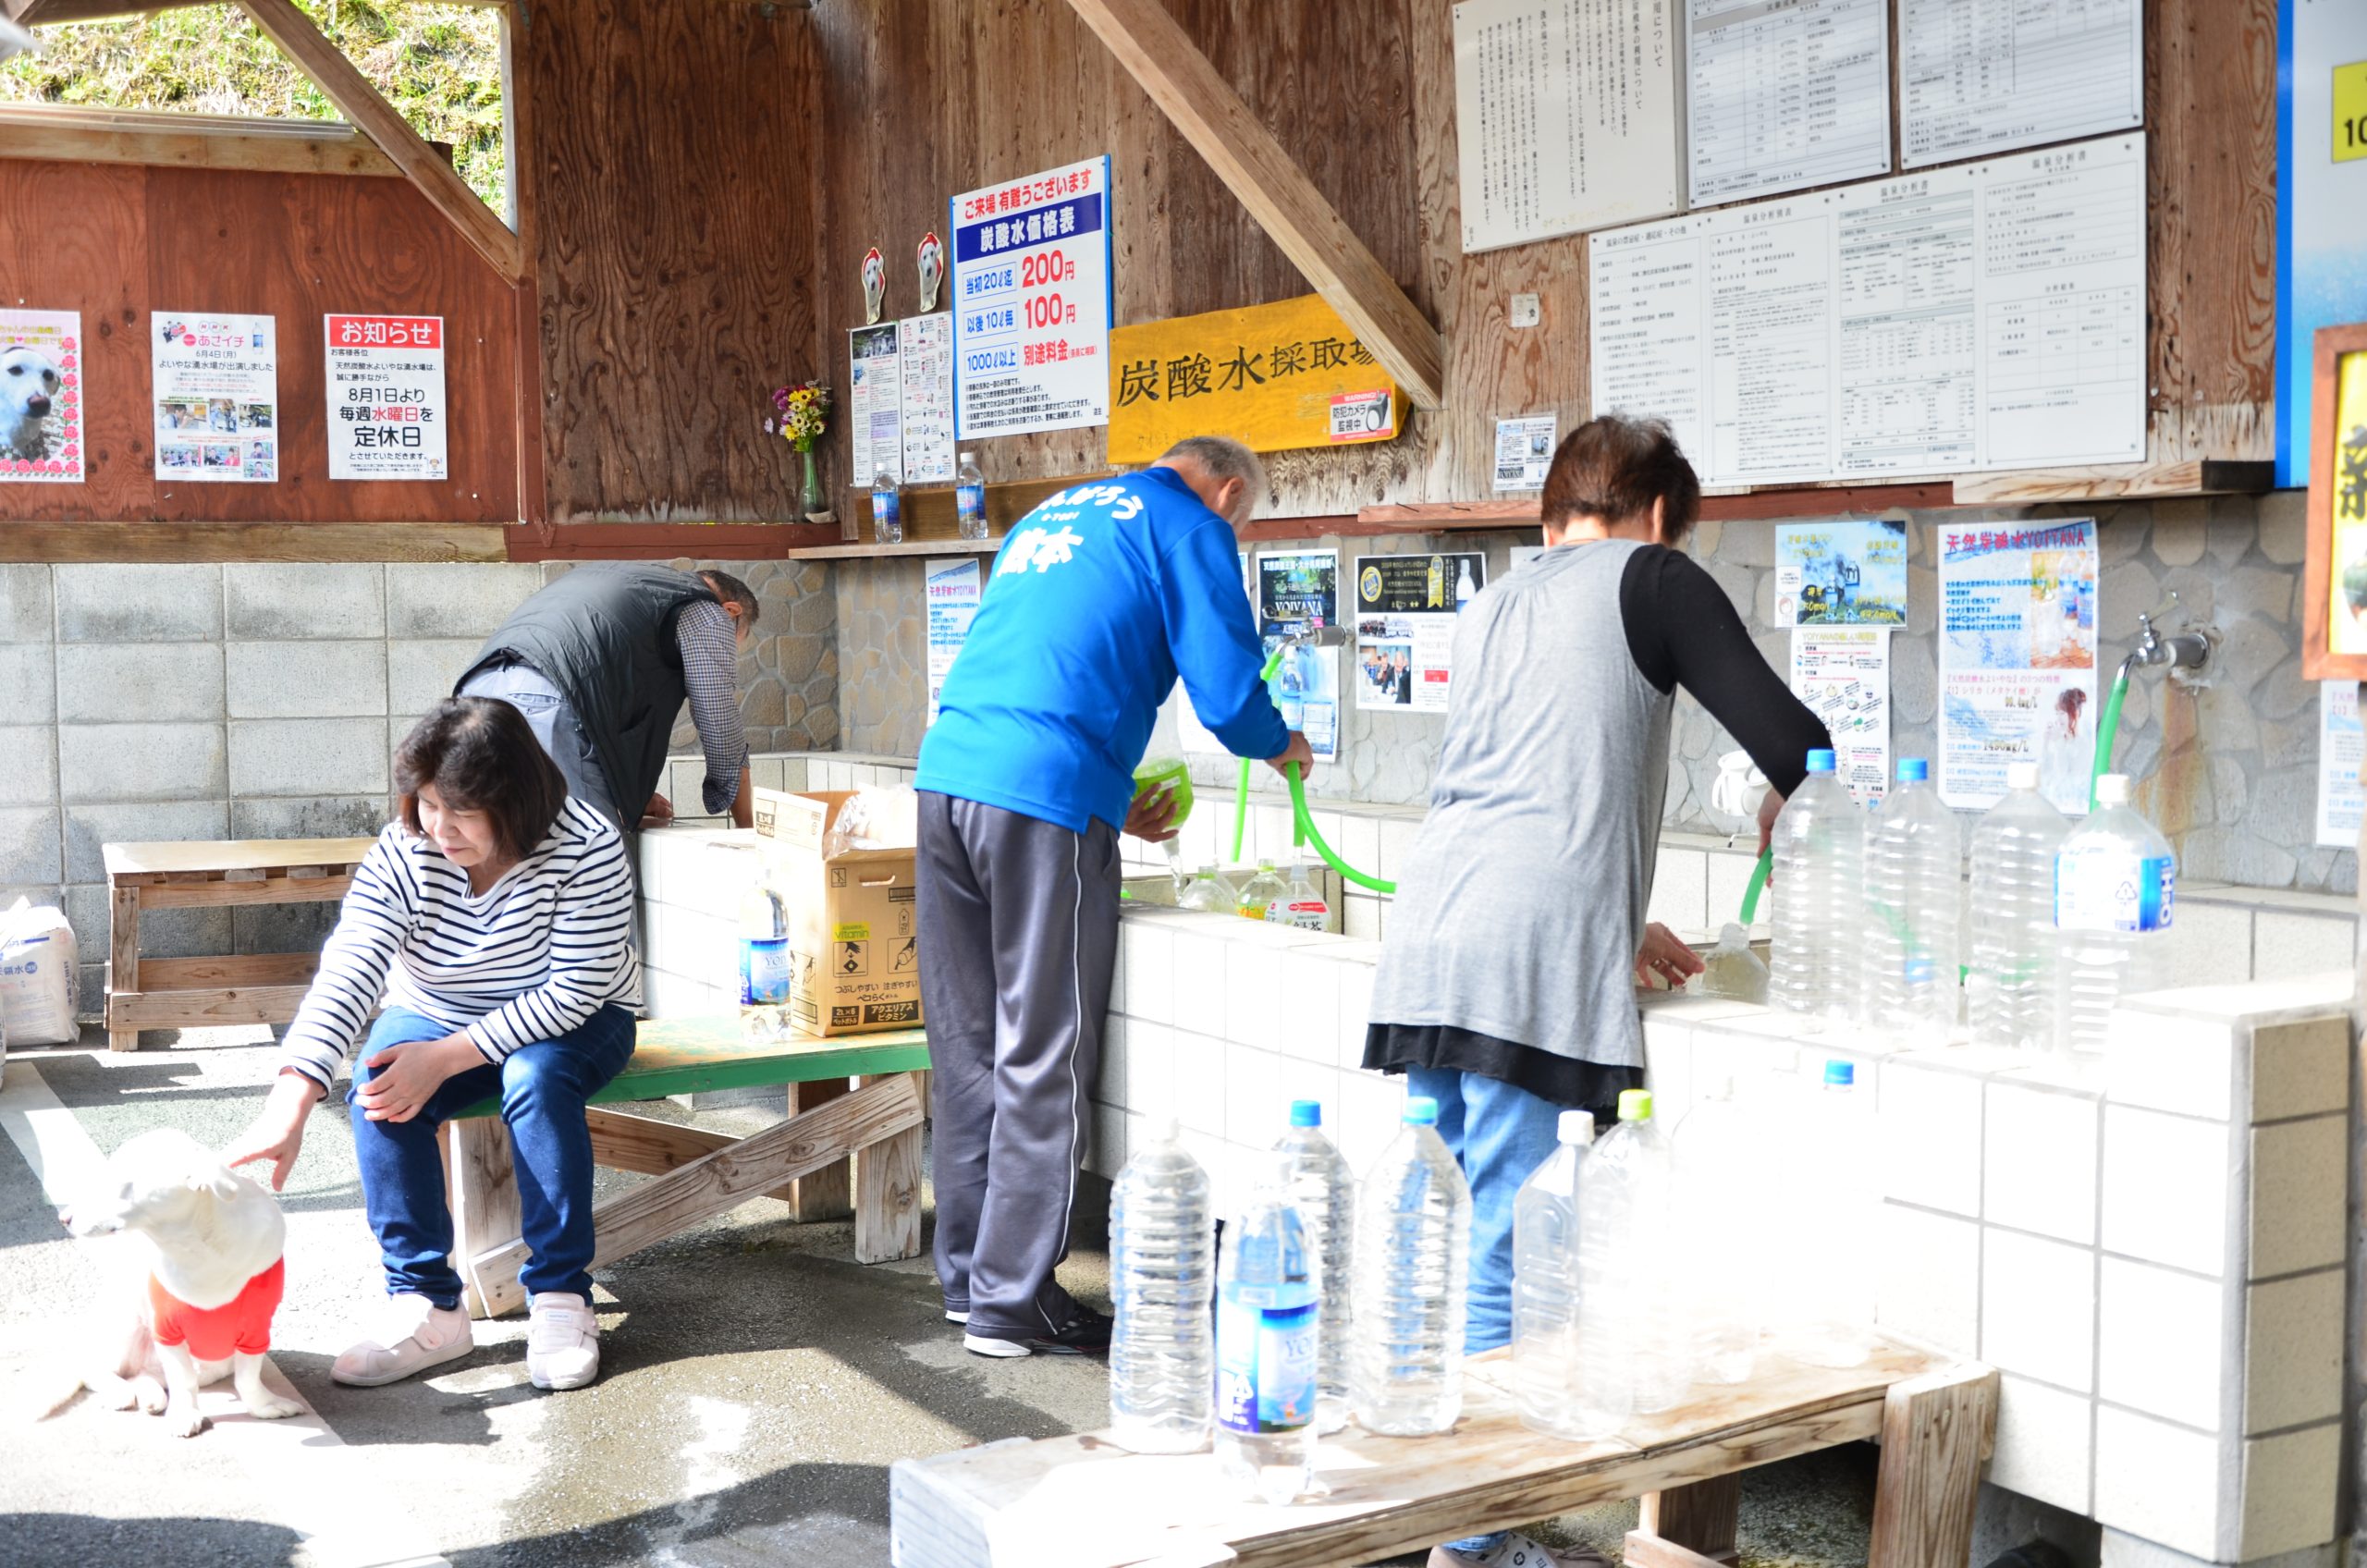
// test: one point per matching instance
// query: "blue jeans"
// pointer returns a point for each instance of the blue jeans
(1500, 1134)
(542, 1087)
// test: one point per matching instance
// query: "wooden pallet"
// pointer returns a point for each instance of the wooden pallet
(1081, 1502)
(182, 993)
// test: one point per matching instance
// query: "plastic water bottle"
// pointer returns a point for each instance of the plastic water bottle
(1260, 893)
(1913, 893)
(1267, 1341)
(1208, 893)
(1326, 1194)
(1413, 1257)
(1722, 1205)
(1162, 1271)
(970, 498)
(1634, 1354)
(1545, 1286)
(2010, 991)
(1820, 852)
(2115, 881)
(1829, 1289)
(1302, 903)
(764, 964)
(887, 505)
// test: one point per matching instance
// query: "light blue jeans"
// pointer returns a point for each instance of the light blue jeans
(1500, 1134)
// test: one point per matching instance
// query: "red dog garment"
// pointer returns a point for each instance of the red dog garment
(242, 1324)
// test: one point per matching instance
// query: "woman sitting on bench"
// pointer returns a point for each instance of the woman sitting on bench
(494, 918)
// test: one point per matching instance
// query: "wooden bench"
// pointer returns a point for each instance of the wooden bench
(877, 1129)
(1081, 1501)
(184, 993)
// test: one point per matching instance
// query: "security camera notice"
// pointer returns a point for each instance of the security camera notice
(41, 398)
(386, 392)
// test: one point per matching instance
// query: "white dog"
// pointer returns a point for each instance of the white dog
(28, 385)
(203, 1274)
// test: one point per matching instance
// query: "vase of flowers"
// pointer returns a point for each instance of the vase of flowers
(803, 410)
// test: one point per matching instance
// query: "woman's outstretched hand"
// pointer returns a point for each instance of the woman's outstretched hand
(1665, 956)
(277, 1135)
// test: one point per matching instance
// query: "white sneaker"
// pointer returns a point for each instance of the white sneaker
(562, 1341)
(412, 1335)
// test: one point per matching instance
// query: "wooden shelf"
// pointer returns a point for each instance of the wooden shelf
(842, 552)
(70, 542)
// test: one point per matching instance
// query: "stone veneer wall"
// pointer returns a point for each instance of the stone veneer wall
(2229, 772)
(263, 701)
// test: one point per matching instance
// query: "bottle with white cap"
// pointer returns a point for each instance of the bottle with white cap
(1545, 1285)
(2010, 984)
(2115, 883)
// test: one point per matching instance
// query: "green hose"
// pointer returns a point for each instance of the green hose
(2107, 728)
(1759, 874)
(1240, 811)
(1306, 826)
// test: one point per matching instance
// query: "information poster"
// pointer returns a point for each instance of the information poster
(1843, 674)
(1565, 116)
(1525, 451)
(2320, 202)
(925, 346)
(876, 401)
(953, 605)
(217, 380)
(387, 413)
(1031, 304)
(1977, 77)
(41, 396)
(2340, 744)
(1297, 590)
(2017, 658)
(1841, 572)
(1406, 610)
(1786, 95)
(1191, 734)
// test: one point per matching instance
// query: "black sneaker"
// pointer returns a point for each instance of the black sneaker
(1085, 1333)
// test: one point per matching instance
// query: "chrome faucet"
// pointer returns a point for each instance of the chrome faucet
(2180, 650)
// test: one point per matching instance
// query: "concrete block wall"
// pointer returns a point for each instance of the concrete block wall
(146, 702)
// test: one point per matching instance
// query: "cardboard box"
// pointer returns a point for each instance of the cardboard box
(854, 956)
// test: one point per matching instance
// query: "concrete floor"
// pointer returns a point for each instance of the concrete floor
(756, 1384)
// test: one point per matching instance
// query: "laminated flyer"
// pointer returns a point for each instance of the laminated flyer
(1298, 590)
(386, 393)
(1843, 674)
(1406, 610)
(1524, 451)
(926, 347)
(953, 605)
(41, 396)
(1841, 572)
(874, 403)
(216, 388)
(2017, 658)
(2340, 801)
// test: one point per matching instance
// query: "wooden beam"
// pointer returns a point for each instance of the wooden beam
(1698, 1520)
(1162, 57)
(64, 543)
(624, 1142)
(198, 1009)
(57, 134)
(49, 13)
(1937, 1431)
(2197, 477)
(361, 102)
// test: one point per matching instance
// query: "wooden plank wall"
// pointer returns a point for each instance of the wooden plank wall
(117, 241)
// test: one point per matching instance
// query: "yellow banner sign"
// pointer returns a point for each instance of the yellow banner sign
(1274, 377)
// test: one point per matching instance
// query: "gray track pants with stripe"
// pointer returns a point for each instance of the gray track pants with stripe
(1018, 936)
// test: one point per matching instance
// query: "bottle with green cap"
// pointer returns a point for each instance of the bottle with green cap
(1825, 1312)
(1412, 1261)
(1633, 1357)
(1545, 1285)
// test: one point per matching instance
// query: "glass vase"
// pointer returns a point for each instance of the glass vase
(811, 502)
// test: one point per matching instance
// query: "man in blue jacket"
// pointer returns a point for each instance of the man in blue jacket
(1101, 597)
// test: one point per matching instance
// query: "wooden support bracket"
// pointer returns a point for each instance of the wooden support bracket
(374, 118)
(1162, 57)
(1938, 1430)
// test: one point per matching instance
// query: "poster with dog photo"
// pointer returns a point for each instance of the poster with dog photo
(217, 397)
(41, 396)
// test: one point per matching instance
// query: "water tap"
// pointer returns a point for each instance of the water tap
(2185, 652)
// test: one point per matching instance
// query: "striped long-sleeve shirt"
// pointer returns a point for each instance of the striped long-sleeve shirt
(534, 957)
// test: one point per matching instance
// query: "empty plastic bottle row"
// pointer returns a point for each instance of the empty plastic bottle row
(1872, 908)
(1643, 1265)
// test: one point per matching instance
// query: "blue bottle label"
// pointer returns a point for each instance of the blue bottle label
(1264, 1365)
(887, 507)
(764, 972)
(2108, 889)
(970, 500)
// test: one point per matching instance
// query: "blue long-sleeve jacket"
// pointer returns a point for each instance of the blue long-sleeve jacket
(1100, 598)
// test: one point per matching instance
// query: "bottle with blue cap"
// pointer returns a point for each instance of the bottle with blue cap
(1635, 1354)
(1412, 1265)
(1326, 1192)
(1913, 893)
(1824, 1311)
(1819, 847)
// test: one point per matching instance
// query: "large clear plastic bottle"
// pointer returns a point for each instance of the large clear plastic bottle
(1267, 1341)
(1326, 1192)
(2115, 883)
(1819, 855)
(1258, 895)
(1162, 1275)
(1635, 1354)
(1829, 1291)
(1302, 903)
(2009, 993)
(1914, 894)
(1413, 1258)
(764, 962)
(1722, 1200)
(1545, 1286)
(1206, 892)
